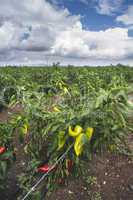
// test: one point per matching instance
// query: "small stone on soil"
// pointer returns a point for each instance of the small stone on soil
(85, 188)
(104, 182)
(130, 187)
(70, 192)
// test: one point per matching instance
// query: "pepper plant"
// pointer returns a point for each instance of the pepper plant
(7, 155)
(99, 123)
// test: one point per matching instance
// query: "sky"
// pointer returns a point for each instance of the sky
(75, 32)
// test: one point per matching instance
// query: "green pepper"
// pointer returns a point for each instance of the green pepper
(61, 139)
(89, 132)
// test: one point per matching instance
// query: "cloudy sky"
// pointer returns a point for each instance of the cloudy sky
(80, 32)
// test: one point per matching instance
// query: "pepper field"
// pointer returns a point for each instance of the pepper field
(54, 121)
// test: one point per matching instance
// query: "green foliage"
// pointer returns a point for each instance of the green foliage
(54, 99)
(7, 157)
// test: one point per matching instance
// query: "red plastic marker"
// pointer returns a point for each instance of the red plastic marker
(45, 168)
(2, 150)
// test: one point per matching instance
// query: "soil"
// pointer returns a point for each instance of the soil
(19, 165)
(111, 175)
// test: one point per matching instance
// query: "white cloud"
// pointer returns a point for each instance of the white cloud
(35, 31)
(46, 22)
(109, 44)
(104, 7)
(36, 12)
(127, 18)
(6, 35)
(108, 7)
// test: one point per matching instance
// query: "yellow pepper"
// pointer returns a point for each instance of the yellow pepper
(89, 132)
(65, 90)
(60, 85)
(112, 147)
(78, 129)
(78, 145)
(56, 109)
(74, 133)
(24, 129)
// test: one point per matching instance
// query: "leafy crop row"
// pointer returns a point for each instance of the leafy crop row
(83, 108)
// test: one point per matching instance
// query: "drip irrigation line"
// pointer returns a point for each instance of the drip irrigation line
(47, 173)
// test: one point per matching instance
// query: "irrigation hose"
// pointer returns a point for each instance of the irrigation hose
(47, 173)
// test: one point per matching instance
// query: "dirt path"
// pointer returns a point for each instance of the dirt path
(19, 165)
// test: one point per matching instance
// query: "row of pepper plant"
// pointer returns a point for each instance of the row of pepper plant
(81, 109)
